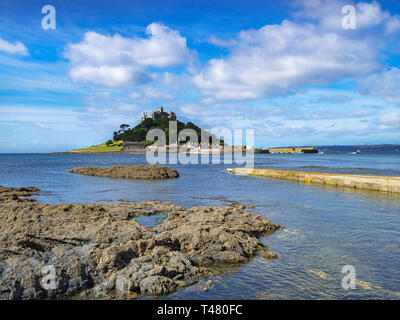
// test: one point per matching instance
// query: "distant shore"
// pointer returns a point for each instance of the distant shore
(221, 151)
(334, 149)
(97, 152)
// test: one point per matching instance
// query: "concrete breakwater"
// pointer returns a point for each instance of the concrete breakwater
(363, 182)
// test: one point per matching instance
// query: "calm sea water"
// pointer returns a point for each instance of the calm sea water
(326, 228)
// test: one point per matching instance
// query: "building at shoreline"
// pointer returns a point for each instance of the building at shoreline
(292, 150)
(159, 114)
(133, 145)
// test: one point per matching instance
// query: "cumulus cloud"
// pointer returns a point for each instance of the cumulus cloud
(111, 76)
(279, 59)
(284, 58)
(370, 14)
(114, 61)
(16, 48)
(329, 15)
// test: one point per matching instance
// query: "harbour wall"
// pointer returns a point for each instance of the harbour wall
(363, 182)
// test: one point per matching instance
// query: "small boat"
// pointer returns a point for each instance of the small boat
(321, 152)
(353, 152)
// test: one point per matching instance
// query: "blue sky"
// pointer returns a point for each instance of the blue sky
(288, 70)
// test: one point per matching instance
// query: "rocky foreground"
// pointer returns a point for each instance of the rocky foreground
(145, 172)
(101, 251)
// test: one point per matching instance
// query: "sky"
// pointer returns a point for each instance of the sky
(296, 72)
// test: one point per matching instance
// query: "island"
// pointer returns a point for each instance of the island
(129, 139)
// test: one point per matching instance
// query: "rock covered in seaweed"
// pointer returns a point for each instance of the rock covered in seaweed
(145, 172)
(100, 250)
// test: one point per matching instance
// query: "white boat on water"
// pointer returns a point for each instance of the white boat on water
(321, 152)
(353, 152)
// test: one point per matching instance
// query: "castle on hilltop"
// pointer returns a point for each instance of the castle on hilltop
(159, 114)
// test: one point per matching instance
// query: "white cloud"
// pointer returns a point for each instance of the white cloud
(326, 12)
(16, 48)
(41, 125)
(384, 84)
(370, 14)
(221, 43)
(389, 121)
(284, 58)
(393, 25)
(135, 95)
(114, 61)
(157, 95)
(279, 59)
(195, 110)
(103, 103)
(329, 15)
(335, 114)
(106, 75)
(128, 107)
(393, 117)
(150, 94)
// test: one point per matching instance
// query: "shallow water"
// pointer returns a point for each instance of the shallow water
(151, 221)
(327, 228)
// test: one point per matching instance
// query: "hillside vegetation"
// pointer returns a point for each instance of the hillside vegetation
(110, 145)
(139, 132)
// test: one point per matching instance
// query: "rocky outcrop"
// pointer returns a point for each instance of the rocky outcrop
(100, 250)
(145, 172)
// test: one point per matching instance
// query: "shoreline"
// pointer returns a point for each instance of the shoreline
(331, 149)
(144, 152)
(96, 152)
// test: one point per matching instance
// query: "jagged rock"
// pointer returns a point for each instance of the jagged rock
(156, 285)
(101, 251)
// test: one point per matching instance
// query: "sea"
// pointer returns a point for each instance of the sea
(330, 233)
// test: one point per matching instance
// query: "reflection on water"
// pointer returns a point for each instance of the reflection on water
(151, 221)
(326, 228)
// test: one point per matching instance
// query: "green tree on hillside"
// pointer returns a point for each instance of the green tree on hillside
(124, 126)
(139, 132)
